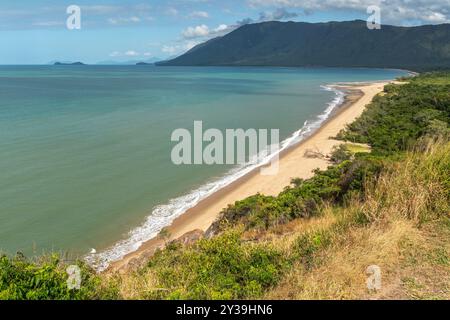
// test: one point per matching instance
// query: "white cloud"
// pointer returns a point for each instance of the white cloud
(172, 11)
(196, 32)
(203, 31)
(122, 20)
(48, 23)
(100, 9)
(169, 49)
(115, 54)
(129, 53)
(392, 11)
(132, 53)
(179, 48)
(278, 14)
(436, 17)
(199, 14)
(221, 28)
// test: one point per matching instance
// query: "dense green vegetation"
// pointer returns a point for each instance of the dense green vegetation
(220, 268)
(395, 121)
(333, 44)
(227, 266)
(244, 260)
(46, 279)
(242, 256)
(305, 197)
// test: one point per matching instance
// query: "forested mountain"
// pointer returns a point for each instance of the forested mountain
(332, 44)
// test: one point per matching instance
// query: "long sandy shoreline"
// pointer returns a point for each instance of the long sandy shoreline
(292, 164)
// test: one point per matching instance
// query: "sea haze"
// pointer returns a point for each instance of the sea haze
(85, 150)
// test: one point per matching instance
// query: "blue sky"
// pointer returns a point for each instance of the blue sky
(35, 32)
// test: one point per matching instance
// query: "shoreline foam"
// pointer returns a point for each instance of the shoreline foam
(178, 209)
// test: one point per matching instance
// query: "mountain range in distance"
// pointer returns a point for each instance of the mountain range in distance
(331, 44)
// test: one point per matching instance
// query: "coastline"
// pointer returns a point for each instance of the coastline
(292, 164)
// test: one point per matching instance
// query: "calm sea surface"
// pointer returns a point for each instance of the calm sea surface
(85, 150)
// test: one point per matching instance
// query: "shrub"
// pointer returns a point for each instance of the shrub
(223, 267)
(340, 154)
(304, 198)
(395, 121)
(46, 279)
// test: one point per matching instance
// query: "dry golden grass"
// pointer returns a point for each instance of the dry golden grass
(341, 275)
(283, 235)
(137, 285)
(412, 190)
(412, 252)
(402, 226)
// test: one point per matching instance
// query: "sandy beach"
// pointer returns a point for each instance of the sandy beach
(293, 164)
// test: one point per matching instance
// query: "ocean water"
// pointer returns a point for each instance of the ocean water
(85, 150)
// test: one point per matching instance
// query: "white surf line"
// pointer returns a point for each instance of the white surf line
(163, 215)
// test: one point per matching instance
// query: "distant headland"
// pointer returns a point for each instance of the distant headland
(69, 63)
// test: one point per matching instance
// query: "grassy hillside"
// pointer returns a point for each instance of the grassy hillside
(400, 222)
(332, 44)
(389, 208)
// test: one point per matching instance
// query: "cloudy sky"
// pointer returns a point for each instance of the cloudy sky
(35, 32)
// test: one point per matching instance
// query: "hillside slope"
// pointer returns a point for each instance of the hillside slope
(333, 44)
(316, 239)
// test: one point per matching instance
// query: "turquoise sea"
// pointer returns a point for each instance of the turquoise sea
(85, 150)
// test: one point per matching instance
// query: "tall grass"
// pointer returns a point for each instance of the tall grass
(390, 208)
(417, 188)
(401, 224)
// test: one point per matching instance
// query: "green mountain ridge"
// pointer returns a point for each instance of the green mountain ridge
(331, 44)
